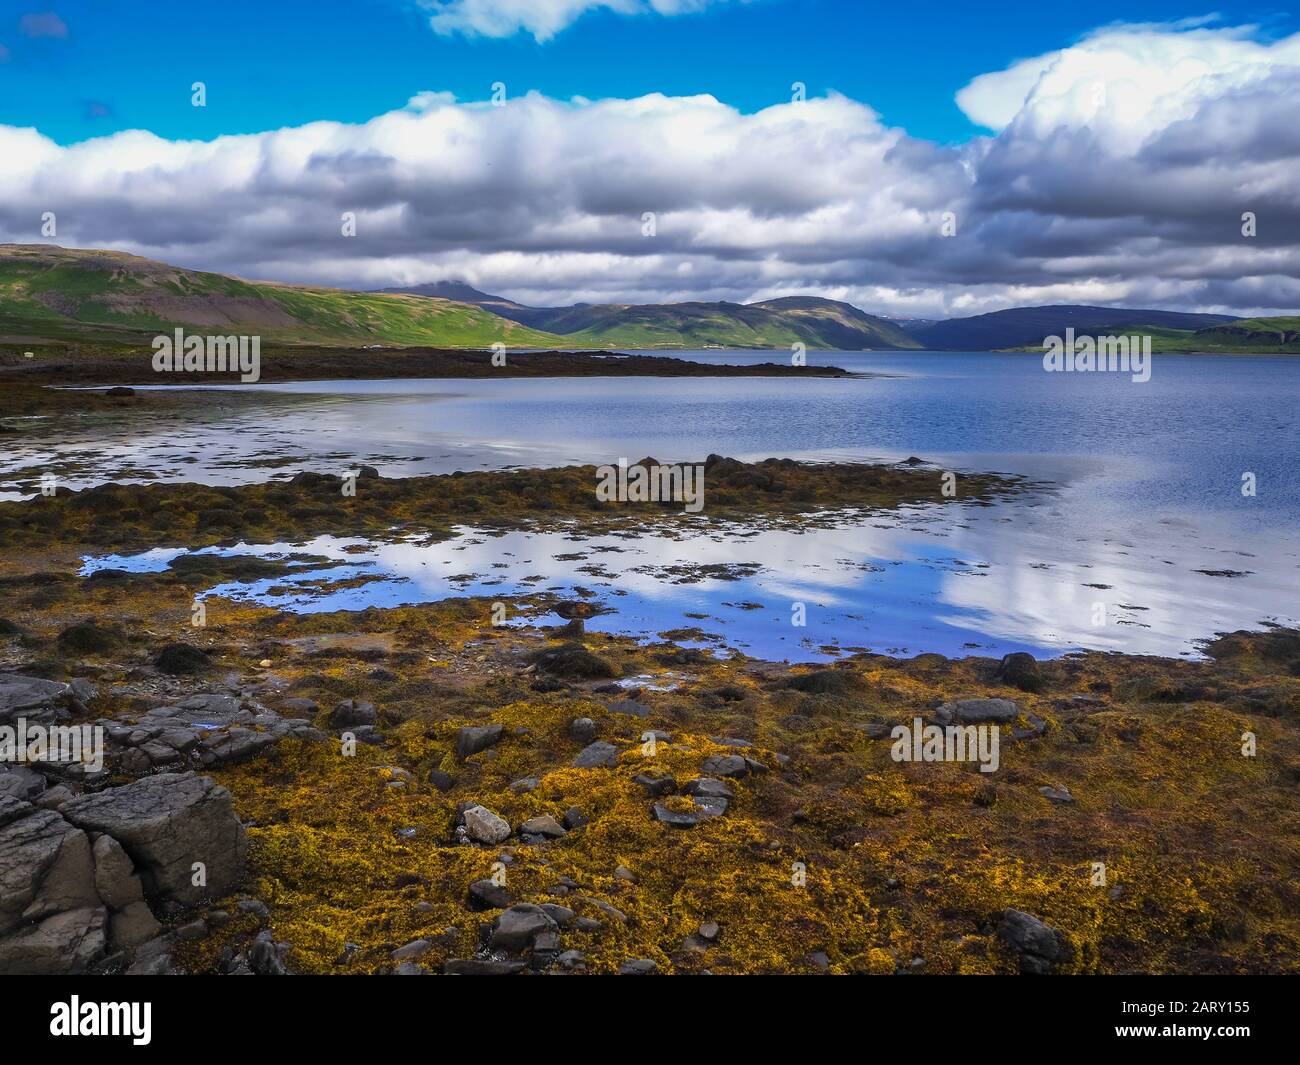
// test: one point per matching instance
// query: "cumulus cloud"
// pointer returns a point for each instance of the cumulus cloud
(541, 18)
(1128, 194)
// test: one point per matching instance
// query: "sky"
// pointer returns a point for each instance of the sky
(916, 160)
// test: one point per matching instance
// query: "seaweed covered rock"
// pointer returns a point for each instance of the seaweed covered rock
(573, 660)
(180, 659)
(825, 682)
(969, 711)
(1020, 670)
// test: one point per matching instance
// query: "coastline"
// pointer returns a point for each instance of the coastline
(823, 853)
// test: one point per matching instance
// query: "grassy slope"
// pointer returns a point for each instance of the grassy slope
(727, 325)
(86, 295)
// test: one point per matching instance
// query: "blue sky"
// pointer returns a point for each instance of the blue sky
(129, 65)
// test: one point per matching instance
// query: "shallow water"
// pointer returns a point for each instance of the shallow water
(1145, 492)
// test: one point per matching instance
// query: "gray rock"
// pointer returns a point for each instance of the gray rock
(483, 826)
(638, 967)
(629, 708)
(196, 929)
(267, 957)
(166, 824)
(67, 942)
(704, 808)
(351, 713)
(132, 925)
(31, 697)
(516, 928)
(115, 877)
(52, 919)
(582, 729)
(709, 787)
(416, 948)
(1058, 795)
(973, 710)
(543, 825)
(561, 915)
(1040, 946)
(598, 754)
(725, 765)
(473, 739)
(656, 786)
(82, 691)
(20, 782)
(440, 780)
(486, 895)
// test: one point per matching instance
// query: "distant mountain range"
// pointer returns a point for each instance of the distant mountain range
(62, 294)
(817, 323)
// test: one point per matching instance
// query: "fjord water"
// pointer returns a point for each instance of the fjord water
(1138, 538)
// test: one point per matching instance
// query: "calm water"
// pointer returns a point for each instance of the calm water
(1145, 491)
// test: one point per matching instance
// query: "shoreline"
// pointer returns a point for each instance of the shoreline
(822, 852)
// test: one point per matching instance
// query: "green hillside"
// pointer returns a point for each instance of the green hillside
(815, 323)
(62, 293)
(1247, 336)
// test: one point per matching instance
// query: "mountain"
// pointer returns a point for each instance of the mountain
(463, 293)
(111, 297)
(1022, 327)
(65, 293)
(818, 323)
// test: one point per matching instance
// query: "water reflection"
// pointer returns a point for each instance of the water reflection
(991, 582)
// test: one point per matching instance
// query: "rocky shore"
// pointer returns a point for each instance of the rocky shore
(416, 790)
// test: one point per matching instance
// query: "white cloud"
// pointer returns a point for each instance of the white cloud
(1136, 199)
(1125, 82)
(541, 18)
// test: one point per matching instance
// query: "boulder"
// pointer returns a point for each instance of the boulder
(483, 826)
(1041, 947)
(166, 824)
(1020, 670)
(473, 739)
(517, 927)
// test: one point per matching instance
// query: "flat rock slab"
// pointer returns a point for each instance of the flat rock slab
(29, 696)
(703, 809)
(596, 754)
(972, 710)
